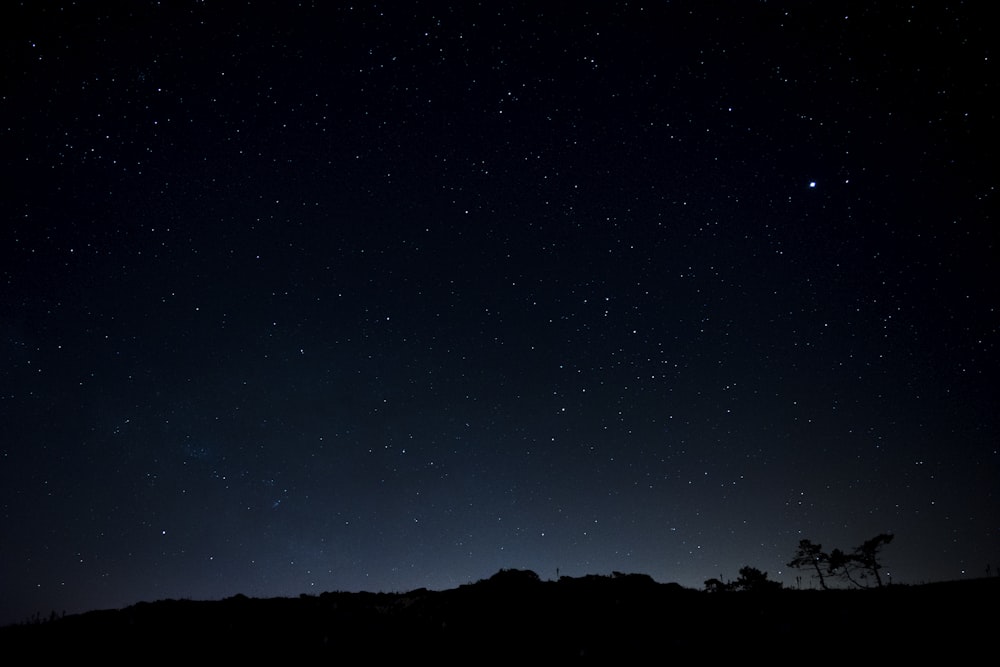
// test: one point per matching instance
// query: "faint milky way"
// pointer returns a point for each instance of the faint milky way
(301, 298)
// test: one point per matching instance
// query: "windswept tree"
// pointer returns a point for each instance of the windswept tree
(867, 555)
(854, 567)
(812, 556)
(843, 565)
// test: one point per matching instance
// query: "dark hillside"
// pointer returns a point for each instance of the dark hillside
(515, 615)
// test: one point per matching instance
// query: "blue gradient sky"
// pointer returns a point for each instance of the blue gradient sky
(301, 297)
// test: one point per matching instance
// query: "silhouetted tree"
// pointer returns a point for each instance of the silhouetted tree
(843, 565)
(856, 566)
(811, 555)
(867, 555)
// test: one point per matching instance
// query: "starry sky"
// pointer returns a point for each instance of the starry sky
(300, 297)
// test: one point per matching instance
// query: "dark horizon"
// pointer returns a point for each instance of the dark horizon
(308, 297)
(516, 580)
(514, 613)
(805, 582)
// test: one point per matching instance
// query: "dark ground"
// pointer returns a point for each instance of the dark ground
(513, 615)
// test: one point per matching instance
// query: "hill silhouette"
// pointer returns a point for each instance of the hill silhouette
(514, 614)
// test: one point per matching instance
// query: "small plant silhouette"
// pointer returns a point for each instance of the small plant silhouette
(750, 580)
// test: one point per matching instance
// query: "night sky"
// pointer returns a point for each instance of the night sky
(306, 297)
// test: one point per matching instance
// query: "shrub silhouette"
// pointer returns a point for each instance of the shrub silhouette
(514, 578)
(750, 580)
(714, 585)
(753, 580)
